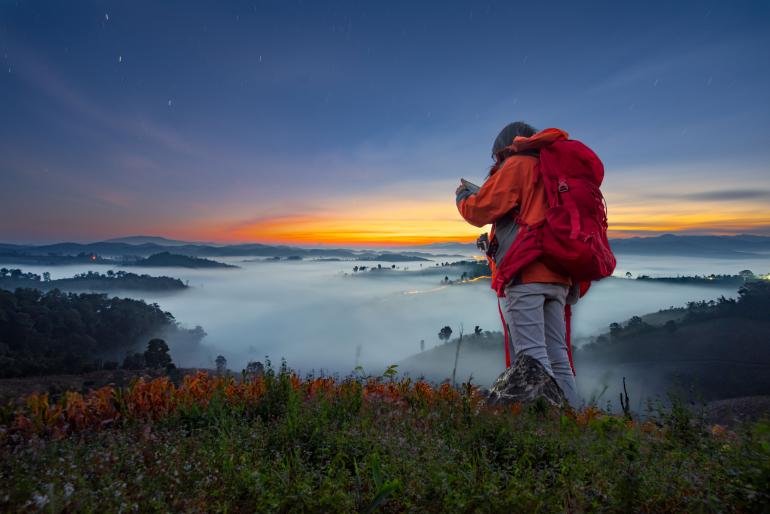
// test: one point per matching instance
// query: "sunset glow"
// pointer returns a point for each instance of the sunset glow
(390, 222)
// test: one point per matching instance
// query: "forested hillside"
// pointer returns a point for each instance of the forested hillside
(55, 332)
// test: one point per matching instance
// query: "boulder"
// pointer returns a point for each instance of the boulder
(525, 382)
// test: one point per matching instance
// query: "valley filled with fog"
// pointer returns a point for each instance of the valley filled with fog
(316, 314)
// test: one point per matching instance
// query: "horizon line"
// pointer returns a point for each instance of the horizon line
(413, 241)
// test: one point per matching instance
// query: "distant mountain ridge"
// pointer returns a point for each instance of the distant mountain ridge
(739, 246)
(744, 245)
(145, 246)
(163, 241)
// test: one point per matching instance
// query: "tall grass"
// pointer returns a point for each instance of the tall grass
(281, 443)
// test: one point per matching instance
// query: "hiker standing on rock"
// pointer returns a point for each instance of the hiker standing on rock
(536, 252)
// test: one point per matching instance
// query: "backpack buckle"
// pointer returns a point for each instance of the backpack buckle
(563, 187)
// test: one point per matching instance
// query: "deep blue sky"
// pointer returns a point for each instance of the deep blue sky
(213, 119)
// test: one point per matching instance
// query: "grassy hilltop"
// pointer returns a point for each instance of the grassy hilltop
(278, 443)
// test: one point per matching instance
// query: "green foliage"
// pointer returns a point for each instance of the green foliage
(55, 332)
(291, 452)
(391, 372)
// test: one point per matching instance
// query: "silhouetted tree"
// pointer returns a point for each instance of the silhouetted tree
(255, 369)
(173, 373)
(754, 299)
(221, 363)
(445, 333)
(457, 355)
(134, 361)
(156, 356)
(477, 331)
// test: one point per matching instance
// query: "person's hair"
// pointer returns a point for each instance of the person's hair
(504, 140)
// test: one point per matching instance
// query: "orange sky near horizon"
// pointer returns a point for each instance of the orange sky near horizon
(385, 222)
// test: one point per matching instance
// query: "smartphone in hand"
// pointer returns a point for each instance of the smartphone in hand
(470, 186)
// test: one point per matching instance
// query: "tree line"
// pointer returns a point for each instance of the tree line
(55, 332)
(15, 278)
(752, 303)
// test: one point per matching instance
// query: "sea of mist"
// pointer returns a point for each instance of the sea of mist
(315, 314)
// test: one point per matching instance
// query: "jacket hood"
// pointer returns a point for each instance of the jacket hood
(539, 140)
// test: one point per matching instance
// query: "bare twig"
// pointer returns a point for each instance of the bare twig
(457, 355)
(624, 402)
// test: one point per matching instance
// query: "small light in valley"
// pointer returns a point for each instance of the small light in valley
(120, 58)
(169, 102)
(106, 16)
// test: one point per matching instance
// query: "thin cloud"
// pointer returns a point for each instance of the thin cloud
(39, 74)
(729, 194)
(723, 195)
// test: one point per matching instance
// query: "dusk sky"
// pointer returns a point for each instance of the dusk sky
(351, 122)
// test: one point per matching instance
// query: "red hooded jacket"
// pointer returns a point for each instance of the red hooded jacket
(516, 185)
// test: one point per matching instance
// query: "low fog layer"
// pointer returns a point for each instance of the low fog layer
(315, 316)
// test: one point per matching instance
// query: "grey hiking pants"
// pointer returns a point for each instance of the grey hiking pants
(535, 317)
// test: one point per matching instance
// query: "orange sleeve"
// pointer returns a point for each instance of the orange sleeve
(498, 196)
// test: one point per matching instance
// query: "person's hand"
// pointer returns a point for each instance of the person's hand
(460, 189)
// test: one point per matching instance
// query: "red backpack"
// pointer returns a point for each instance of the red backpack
(572, 239)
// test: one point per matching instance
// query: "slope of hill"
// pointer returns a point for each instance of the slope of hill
(713, 350)
(172, 260)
